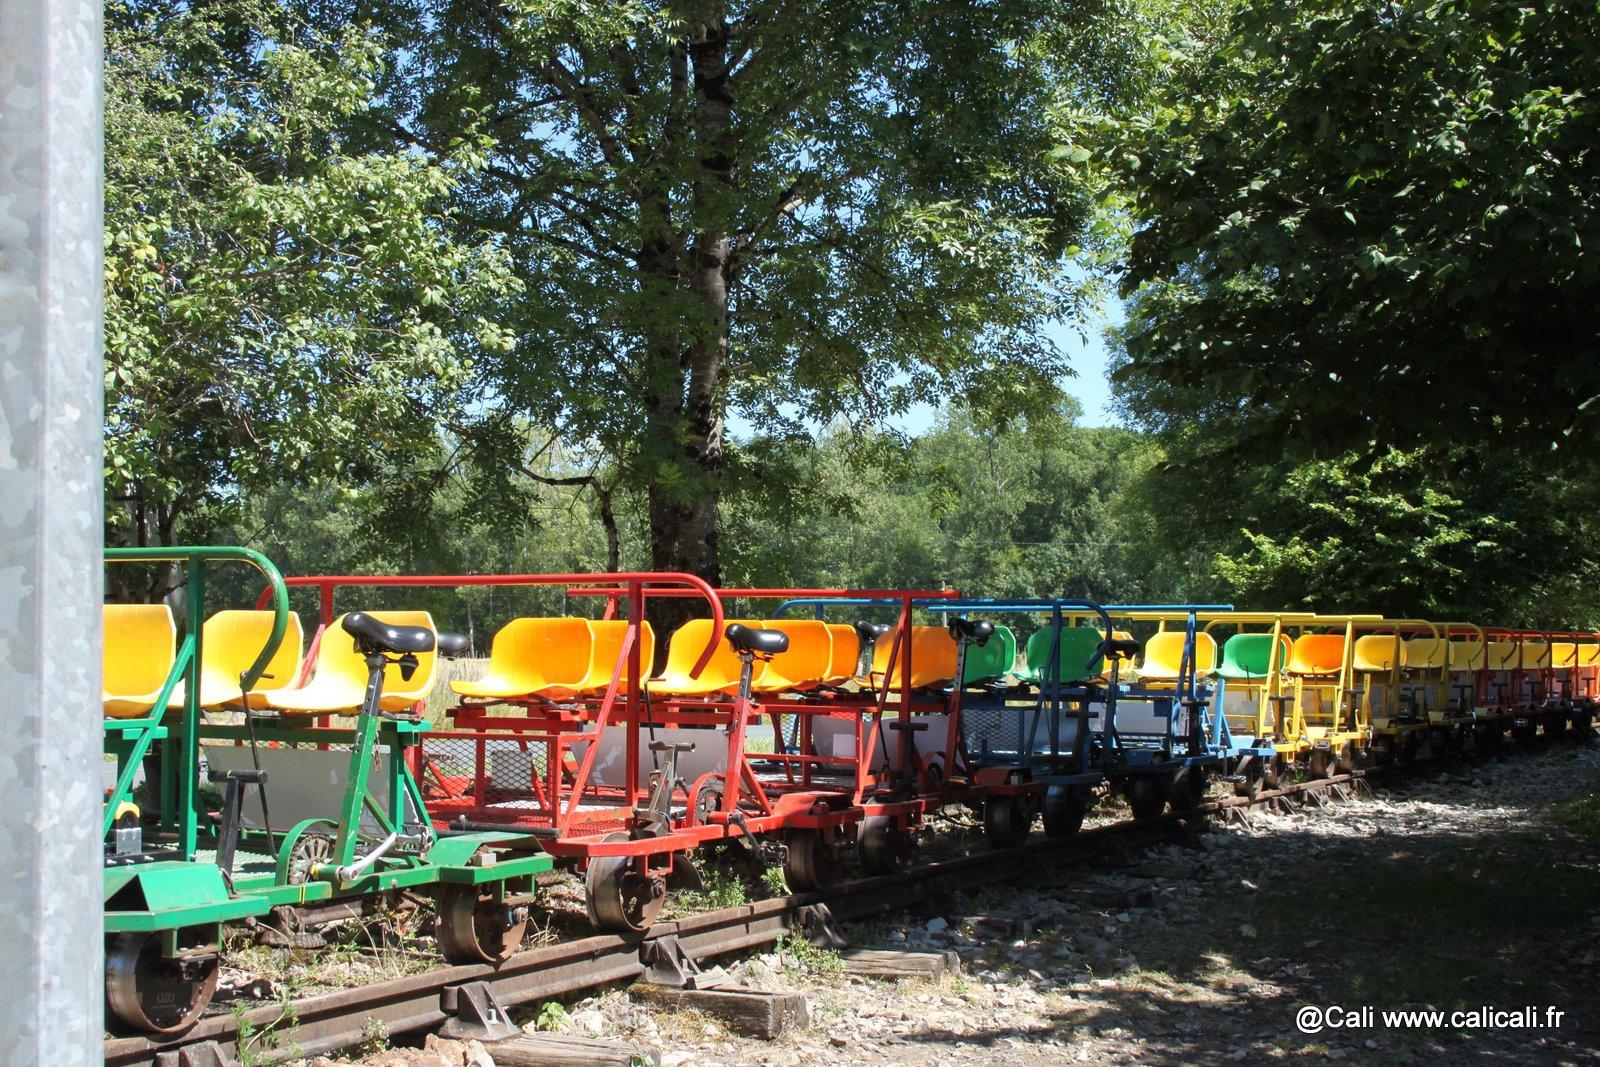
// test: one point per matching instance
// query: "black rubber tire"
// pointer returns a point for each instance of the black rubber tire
(1064, 810)
(1147, 794)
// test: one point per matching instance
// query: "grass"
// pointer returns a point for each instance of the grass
(1579, 815)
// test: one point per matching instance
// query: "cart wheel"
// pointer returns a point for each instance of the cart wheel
(1381, 748)
(811, 862)
(880, 848)
(474, 927)
(1007, 821)
(1555, 727)
(1147, 794)
(1189, 788)
(1254, 774)
(1319, 763)
(1064, 809)
(148, 992)
(620, 899)
(1277, 773)
(1406, 751)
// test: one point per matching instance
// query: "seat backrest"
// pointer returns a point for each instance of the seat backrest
(990, 660)
(231, 641)
(1563, 655)
(1250, 657)
(933, 658)
(542, 651)
(689, 641)
(1535, 655)
(1426, 653)
(1078, 644)
(809, 657)
(1467, 655)
(605, 641)
(1377, 653)
(1503, 656)
(1314, 654)
(845, 653)
(1588, 654)
(337, 653)
(140, 645)
(1163, 654)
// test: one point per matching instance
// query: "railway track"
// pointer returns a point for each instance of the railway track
(460, 996)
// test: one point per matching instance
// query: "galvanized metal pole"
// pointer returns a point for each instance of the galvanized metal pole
(50, 531)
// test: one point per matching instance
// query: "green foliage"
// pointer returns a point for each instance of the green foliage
(1359, 220)
(552, 1016)
(792, 213)
(278, 307)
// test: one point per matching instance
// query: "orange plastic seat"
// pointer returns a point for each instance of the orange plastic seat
(846, 656)
(1316, 655)
(605, 642)
(139, 650)
(721, 673)
(339, 680)
(1377, 653)
(529, 656)
(933, 658)
(1163, 656)
(806, 663)
(229, 645)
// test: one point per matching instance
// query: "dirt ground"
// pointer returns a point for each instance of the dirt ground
(1468, 887)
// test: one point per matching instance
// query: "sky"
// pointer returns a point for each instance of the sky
(1087, 356)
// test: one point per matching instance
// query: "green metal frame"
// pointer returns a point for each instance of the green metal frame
(182, 892)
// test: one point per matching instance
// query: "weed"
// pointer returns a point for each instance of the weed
(723, 889)
(802, 958)
(254, 1043)
(772, 878)
(552, 1016)
(1579, 815)
(374, 1037)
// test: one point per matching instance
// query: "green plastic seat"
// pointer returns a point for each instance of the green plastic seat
(1247, 657)
(1078, 645)
(992, 659)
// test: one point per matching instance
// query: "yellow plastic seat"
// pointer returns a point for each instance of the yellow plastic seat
(230, 642)
(1503, 656)
(1163, 656)
(1316, 655)
(1467, 655)
(1535, 655)
(140, 647)
(933, 658)
(339, 680)
(1426, 653)
(1377, 653)
(605, 642)
(846, 654)
(721, 673)
(806, 663)
(531, 655)
(1563, 655)
(1589, 655)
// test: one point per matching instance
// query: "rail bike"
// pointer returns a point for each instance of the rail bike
(313, 822)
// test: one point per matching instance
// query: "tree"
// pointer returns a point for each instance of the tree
(1366, 221)
(277, 307)
(797, 213)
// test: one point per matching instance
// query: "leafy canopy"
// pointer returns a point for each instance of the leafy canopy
(1361, 220)
(277, 306)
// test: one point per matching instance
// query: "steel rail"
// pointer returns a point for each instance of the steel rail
(328, 1022)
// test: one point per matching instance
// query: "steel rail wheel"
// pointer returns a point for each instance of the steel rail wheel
(880, 848)
(1189, 788)
(147, 991)
(474, 927)
(1147, 794)
(620, 899)
(1007, 821)
(1064, 809)
(811, 862)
